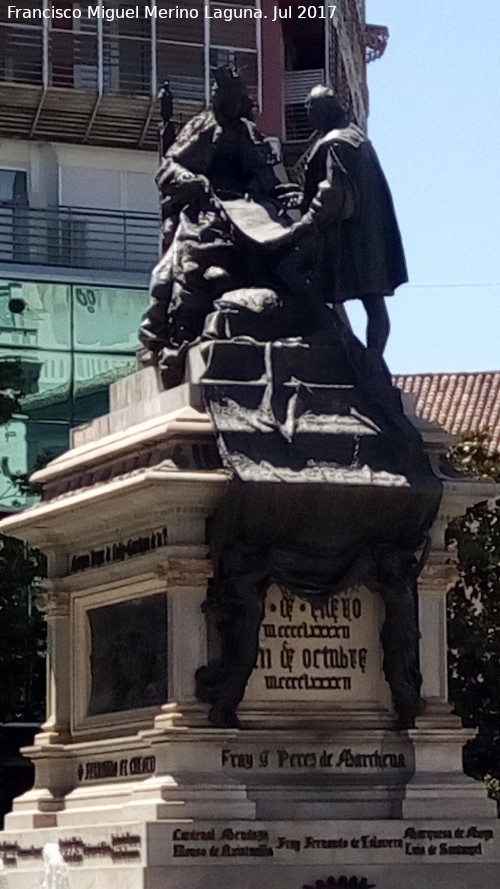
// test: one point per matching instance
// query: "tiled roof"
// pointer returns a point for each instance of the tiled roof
(460, 402)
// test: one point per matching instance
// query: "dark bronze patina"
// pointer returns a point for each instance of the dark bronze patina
(329, 484)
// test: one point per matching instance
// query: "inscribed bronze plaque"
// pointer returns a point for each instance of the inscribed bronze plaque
(128, 655)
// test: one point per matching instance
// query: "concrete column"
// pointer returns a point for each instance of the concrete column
(439, 788)
(56, 605)
(437, 577)
(186, 584)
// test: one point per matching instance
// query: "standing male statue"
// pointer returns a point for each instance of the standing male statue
(358, 252)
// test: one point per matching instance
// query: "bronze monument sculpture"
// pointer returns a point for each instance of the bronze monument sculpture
(355, 248)
(219, 156)
(329, 487)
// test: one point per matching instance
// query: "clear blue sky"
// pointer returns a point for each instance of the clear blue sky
(434, 121)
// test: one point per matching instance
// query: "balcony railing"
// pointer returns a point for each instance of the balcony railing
(78, 238)
(21, 55)
(101, 61)
(96, 82)
(298, 84)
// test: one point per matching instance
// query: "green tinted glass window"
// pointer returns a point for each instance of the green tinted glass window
(107, 319)
(35, 314)
(46, 380)
(93, 374)
(70, 343)
(27, 445)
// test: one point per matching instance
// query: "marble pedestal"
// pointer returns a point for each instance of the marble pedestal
(131, 781)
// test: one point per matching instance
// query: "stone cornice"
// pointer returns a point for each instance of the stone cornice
(439, 574)
(88, 514)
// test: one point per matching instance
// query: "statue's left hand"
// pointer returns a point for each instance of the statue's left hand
(289, 194)
(193, 184)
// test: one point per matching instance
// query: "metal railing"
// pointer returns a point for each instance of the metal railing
(21, 55)
(297, 126)
(99, 59)
(298, 85)
(78, 238)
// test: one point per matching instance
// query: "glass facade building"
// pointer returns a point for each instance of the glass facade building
(72, 341)
(78, 209)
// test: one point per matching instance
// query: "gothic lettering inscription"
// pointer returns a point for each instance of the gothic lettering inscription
(75, 850)
(110, 769)
(318, 759)
(119, 551)
(328, 651)
(288, 842)
(293, 842)
(463, 842)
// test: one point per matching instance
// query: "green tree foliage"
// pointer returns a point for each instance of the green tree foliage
(474, 613)
(474, 456)
(22, 629)
(22, 634)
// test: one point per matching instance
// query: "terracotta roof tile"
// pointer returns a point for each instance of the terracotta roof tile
(460, 402)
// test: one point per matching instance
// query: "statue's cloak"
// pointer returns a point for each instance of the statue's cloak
(362, 254)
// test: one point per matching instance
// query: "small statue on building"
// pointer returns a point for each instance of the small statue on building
(167, 128)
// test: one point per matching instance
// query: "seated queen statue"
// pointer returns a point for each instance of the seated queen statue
(215, 177)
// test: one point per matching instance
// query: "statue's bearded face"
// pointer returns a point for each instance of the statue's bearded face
(323, 109)
(324, 113)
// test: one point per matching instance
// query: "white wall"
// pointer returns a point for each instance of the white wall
(84, 176)
(105, 178)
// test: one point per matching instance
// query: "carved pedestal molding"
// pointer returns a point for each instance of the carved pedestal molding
(155, 796)
(439, 788)
(38, 808)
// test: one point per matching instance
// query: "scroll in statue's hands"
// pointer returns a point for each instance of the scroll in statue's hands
(289, 195)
